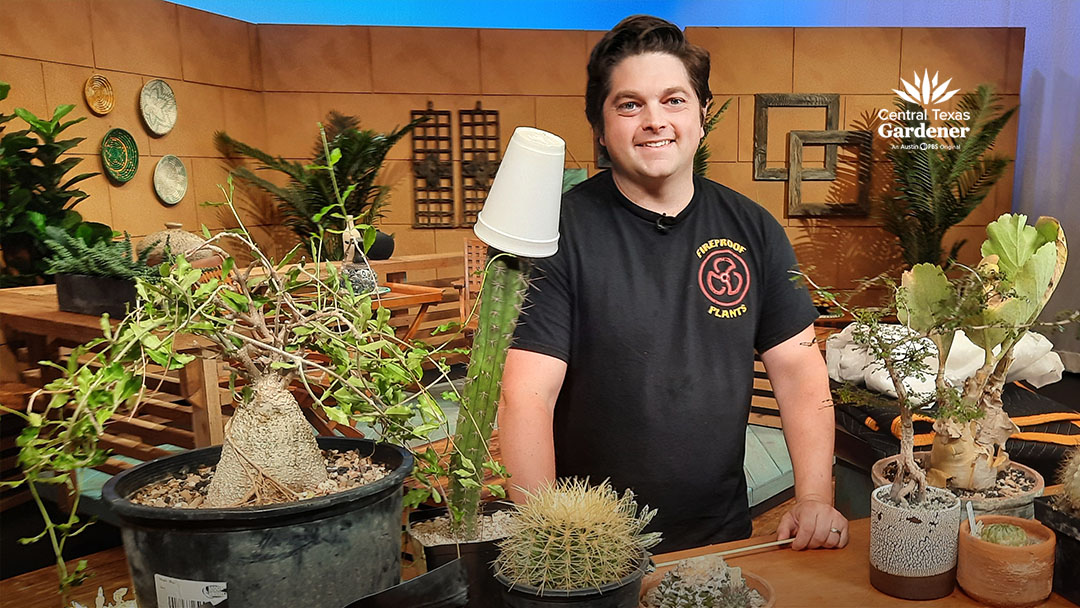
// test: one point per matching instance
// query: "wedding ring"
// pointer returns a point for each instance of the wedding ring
(837, 530)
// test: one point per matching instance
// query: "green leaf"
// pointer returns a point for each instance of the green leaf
(468, 482)
(497, 490)
(416, 497)
(335, 156)
(205, 231)
(336, 415)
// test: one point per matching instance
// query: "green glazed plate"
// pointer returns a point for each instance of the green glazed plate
(120, 155)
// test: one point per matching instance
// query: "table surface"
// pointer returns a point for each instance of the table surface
(837, 578)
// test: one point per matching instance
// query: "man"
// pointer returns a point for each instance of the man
(634, 358)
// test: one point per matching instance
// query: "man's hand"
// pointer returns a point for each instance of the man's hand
(814, 524)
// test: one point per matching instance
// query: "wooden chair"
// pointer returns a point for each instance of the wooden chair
(476, 252)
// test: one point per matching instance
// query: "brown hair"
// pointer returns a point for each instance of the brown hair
(633, 36)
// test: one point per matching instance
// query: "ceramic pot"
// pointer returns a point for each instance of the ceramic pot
(1003, 576)
(913, 549)
(1020, 505)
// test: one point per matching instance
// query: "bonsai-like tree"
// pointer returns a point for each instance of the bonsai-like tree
(994, 304)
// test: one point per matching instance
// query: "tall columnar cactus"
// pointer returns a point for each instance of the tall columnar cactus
(1069, 499)
(501, 297)
(574, 536)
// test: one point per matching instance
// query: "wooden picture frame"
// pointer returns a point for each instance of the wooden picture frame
(863, 140)
(762, 103)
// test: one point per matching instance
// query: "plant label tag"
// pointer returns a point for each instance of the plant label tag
(180, 593)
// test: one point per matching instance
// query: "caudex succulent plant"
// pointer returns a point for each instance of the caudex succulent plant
(283, 326)
(994, 304)
(1069, 478)
(570, 535)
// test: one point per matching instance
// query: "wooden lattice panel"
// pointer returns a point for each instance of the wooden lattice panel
(479, 139)
(433, 170)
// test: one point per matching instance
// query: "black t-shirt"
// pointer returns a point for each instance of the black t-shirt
(658, 327)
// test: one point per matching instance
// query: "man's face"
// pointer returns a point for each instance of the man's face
(652, 119)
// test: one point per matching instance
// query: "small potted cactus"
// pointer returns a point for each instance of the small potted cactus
(1061, 514)
(572, 543)
(1008, 562)
(707, 581)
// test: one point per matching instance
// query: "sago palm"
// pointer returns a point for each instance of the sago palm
(939, 183)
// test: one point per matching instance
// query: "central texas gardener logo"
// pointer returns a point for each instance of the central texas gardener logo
(926, 91)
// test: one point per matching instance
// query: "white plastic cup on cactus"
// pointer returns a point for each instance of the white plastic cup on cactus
(521, 213)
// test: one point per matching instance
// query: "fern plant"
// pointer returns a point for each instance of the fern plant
(310, 191)
(105, 258)
(938, 184)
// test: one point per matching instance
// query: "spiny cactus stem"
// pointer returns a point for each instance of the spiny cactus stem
(500, 300)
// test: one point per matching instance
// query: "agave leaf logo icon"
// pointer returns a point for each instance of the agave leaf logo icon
(926, 90)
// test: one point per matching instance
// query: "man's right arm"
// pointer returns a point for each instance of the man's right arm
(531, 384)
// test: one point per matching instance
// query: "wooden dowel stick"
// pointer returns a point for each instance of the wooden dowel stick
(775, 543)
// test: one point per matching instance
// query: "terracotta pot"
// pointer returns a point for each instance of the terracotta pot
(913, 550)
(1015, 506)
(1008, 577)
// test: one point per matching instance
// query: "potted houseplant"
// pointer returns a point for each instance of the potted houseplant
(270, 494)
(1061, 514)
(575, 544)
(311, 189)
(1008, 562)
(994, 304)
(37, 192)
(938, 184)
(98, 278)
(520, 222)
(706, 581)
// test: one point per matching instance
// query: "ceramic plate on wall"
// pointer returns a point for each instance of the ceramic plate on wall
(158, 106)
(120, 155)
(99, 94)
(170, 180)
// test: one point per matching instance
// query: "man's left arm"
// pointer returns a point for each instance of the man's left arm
(800, 382)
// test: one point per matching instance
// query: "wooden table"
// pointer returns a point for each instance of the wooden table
(31, 315)
(838, 578)
(834, 578)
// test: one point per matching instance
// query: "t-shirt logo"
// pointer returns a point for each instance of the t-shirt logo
(724, 277)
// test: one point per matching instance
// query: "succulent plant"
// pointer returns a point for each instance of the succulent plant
(1009, 535)
(570, 535)
(703, 582)
(1069, 477)
(503, 292)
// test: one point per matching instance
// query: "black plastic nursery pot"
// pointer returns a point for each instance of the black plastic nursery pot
(317, 553)
(621, 594)
(443, 587)
(1067, 552)
(484, 590)
(90, 295)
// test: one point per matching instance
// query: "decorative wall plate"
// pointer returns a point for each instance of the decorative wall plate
(158, 106)
(98, 92)
(120, 155)
(170, 180)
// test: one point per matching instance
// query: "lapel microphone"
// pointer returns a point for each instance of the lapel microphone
(664, 223)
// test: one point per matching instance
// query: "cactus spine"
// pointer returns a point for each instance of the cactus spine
(1005, 534)
(1069, 499)
(501, 297)
(573, 536)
